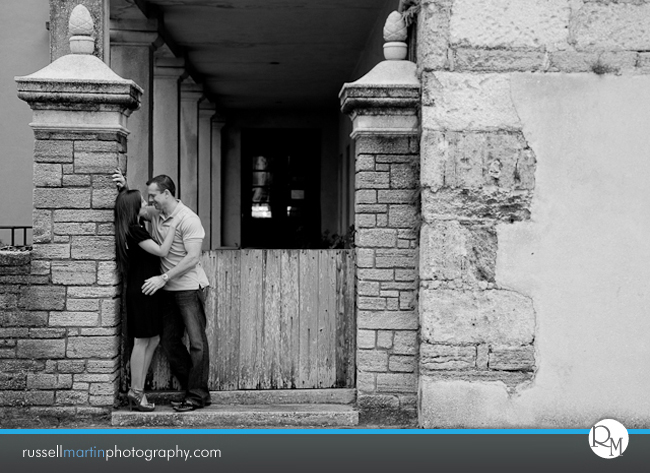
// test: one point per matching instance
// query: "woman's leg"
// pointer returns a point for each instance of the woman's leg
(137, 363)
(148, 355)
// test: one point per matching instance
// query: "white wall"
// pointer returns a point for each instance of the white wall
(24, 49)
(582, 258)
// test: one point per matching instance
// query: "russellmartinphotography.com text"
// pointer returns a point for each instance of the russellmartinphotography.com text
(115, 452)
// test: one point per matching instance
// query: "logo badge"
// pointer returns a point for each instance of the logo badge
(608, 438)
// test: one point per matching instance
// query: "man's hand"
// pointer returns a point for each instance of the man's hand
(151, 285)
(119, 179)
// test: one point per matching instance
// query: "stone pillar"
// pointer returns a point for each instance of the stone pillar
(80, 110)
(206, 111)
(99, 14)
(132, 47)
(216, 187)
(168, 72)
(187, 185)
(383, 106)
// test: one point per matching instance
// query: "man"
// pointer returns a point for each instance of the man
(183, 282)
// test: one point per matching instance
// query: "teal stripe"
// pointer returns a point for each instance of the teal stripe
(307, 431)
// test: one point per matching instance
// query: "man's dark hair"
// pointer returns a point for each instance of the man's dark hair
(164, 183)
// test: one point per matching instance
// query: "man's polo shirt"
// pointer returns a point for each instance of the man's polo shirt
(188, 230)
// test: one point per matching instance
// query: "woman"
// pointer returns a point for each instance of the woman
(138, 258)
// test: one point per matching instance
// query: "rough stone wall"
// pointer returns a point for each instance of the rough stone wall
(472, 328)
(59, 312)
(601, 36)
(387, 170)
(478, 171)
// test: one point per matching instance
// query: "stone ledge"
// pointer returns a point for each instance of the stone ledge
(15, 257)
(270, 397)
(78, 79)
(245, 415)
(387, 88)
(50, 416)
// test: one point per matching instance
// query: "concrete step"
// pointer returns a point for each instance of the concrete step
(269, 397)
(281, 415)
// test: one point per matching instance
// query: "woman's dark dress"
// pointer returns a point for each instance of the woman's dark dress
(143, 312)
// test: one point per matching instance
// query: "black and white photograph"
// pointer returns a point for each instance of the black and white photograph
(351, 221)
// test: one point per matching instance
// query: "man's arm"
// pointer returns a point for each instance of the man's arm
(190, 260)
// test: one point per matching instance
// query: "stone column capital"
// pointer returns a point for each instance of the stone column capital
(218, 121)
(385, 101)
(79, 92)
(168, 67)
(191, 91)
(206, 110)
(135, 33)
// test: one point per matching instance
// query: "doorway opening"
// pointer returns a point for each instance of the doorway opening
(280, 188)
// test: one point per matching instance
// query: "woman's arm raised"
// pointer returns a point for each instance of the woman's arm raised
(152, 247)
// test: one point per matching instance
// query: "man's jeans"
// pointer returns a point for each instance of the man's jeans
(184, 311)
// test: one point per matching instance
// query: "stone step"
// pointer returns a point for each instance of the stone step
(269, 397)
(294, 415)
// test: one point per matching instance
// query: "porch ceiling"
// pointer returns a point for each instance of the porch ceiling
(259, 54)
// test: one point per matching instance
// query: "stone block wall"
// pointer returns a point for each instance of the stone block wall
(59, 306)
(481, 342)
(387, 174)
(473, 329)
(478, 172)
(600, 36)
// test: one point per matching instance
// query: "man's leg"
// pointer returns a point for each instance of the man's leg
(191, 308)
(171, 342)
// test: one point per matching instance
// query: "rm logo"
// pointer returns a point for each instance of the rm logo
(608, 438)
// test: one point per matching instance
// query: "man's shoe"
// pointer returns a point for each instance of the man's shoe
(175, 404)
(186, 406)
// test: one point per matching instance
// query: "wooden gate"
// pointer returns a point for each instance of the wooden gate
(277, 319)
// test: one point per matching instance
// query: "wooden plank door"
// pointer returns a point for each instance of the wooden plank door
(277, 319)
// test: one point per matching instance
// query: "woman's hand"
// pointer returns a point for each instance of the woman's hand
(119, 179)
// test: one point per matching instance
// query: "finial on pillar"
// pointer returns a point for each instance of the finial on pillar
(81, 27)
(395, 34)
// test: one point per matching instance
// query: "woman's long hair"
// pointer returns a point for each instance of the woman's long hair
(127, 210)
